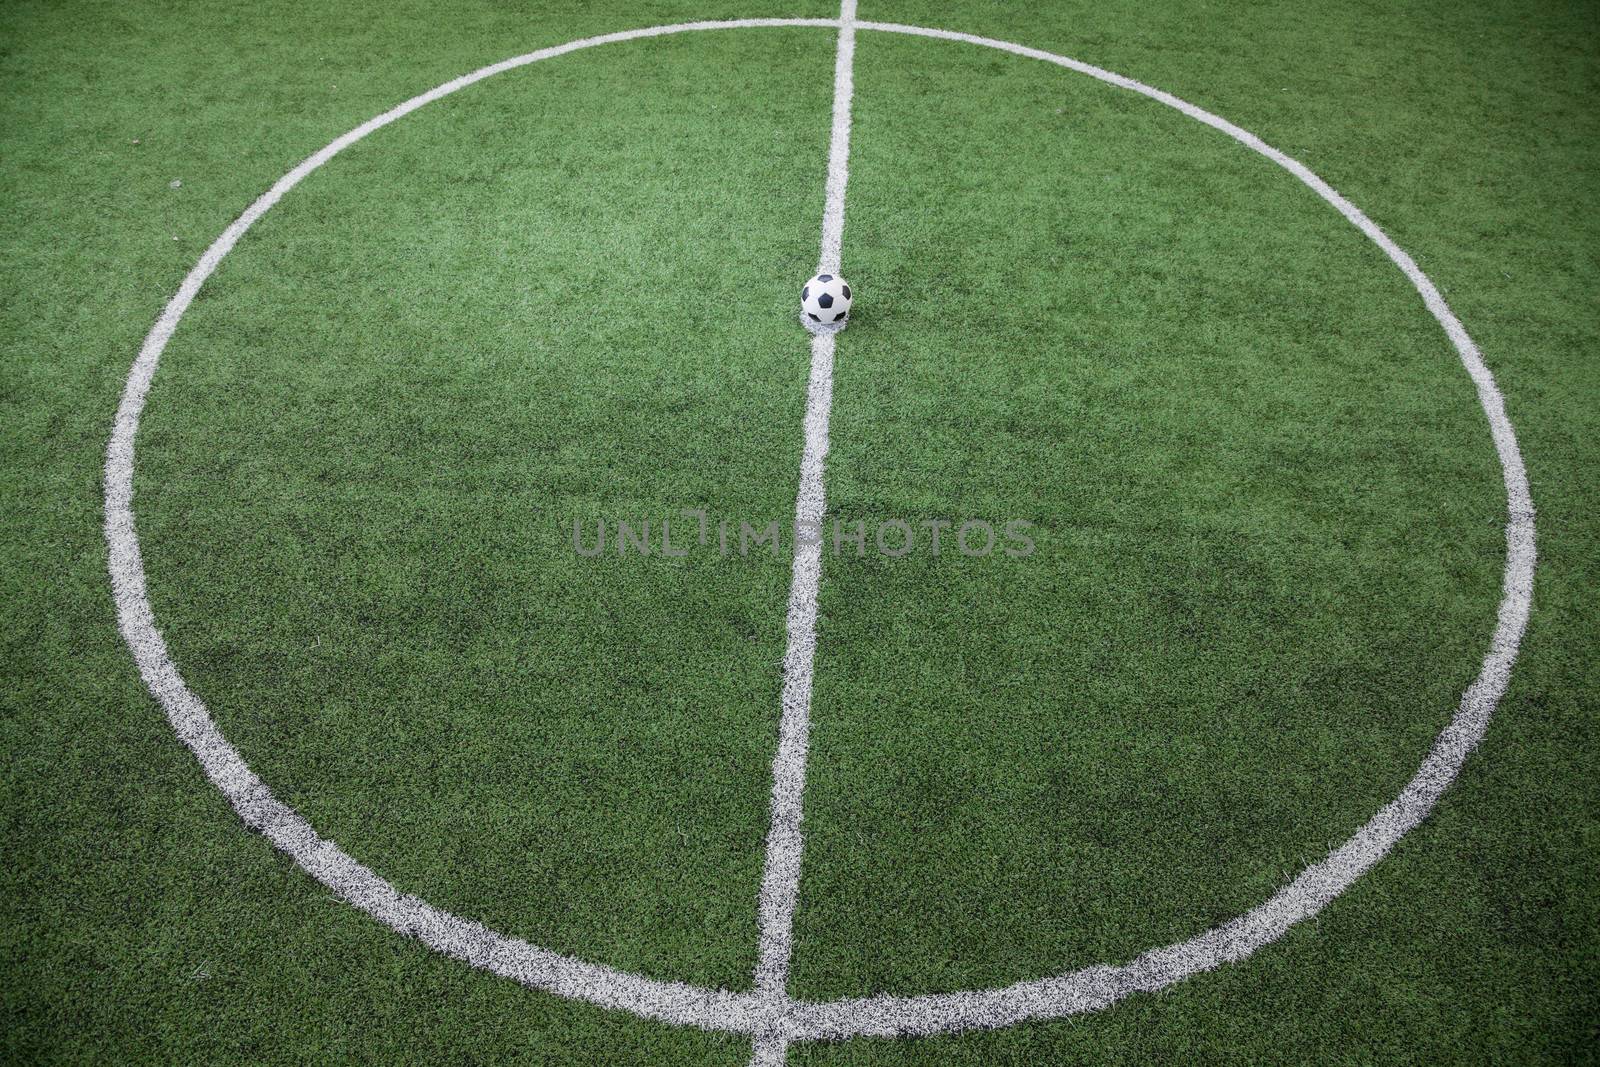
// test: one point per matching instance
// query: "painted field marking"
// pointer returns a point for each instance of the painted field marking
(1089, 989)
(780, 878)
(510, 957)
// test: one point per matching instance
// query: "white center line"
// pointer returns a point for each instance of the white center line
(780, 881)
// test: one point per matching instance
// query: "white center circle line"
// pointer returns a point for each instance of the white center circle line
(510, 957)
(1088, 989)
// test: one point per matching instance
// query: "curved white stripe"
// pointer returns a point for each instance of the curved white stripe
(1086, 990)
(1094, 988)
(465, 940)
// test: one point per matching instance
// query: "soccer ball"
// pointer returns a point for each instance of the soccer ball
(825, 300)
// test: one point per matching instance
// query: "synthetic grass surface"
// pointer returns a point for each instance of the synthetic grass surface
(408, 428)
(1265, 511)
(1268, 521)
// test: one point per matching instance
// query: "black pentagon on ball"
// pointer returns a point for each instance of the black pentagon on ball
(813, 317)
(805, 294)
(841, 315)
(847, 292)
(825, 300)
(824, 277)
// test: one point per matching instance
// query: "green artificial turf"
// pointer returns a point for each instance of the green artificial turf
(1265, 511)
(1267, 517)
(503, 319)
